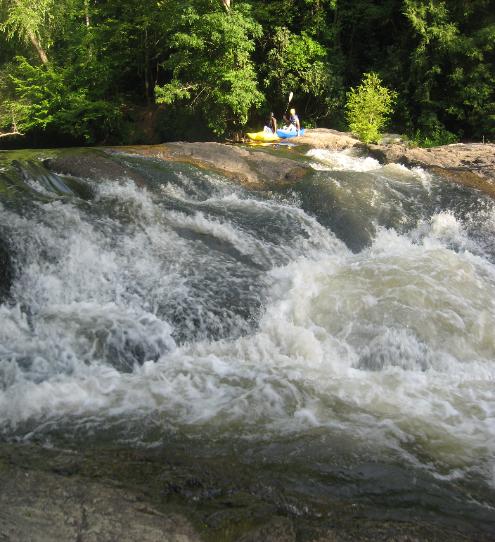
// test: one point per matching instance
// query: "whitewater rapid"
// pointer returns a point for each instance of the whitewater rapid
(192, 305)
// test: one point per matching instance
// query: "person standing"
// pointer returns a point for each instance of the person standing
(272, 123)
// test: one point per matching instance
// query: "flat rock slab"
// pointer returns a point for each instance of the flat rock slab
(91, 164)
(470, 164)
(323, 138)
(126, 495)
(45, 507)
(254, 167)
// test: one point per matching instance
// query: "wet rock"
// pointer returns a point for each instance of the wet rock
(46, 506)
(277, 530)
(323, 138)
(251, 166)
(92, 164)
(6, 272)
(389, 139)
(126, 495)
(470, 164)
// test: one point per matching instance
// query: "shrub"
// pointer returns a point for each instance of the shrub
(439, 136)
(45, 97)
(432, 133)
(368, 107)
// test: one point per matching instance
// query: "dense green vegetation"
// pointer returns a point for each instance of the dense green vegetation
(80, 71)
(368, 107)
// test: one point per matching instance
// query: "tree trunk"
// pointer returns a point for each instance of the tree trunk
(147, 70)
(86, 13)
(41, 52)
(226, 4)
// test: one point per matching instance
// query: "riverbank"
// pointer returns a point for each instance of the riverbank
(170, 495)
(468, 164)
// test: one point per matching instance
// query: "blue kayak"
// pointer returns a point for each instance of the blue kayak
(289, 133)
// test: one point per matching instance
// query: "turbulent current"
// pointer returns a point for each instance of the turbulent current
(343, 327)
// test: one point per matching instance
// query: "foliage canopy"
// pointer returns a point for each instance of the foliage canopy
(210, 66)
(85, 69)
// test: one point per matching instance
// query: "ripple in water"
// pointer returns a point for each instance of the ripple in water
(231, 314)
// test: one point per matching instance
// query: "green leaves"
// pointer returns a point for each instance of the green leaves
(211, 66)
(43, 98)
(300, 63)
(26, 17)
(221, 68)
(452, 79)
(368, 107)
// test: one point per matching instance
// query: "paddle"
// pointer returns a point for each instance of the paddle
(290, 99)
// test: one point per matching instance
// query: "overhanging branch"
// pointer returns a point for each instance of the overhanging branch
(13, 133)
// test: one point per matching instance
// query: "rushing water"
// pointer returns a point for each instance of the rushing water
(344, 327)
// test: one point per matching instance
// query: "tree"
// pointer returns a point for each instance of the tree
(28, 20)
(216, 62)
(211, 67)
(452, 80)
(368, 107)
(298, 63)
(49, 98)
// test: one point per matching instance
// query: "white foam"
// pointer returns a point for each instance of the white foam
(341, 160)
(223, 231)
(395, 346)
(382, 333)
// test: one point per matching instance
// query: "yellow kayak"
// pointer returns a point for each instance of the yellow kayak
(262, 136)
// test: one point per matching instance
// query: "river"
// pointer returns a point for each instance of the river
(341, 329)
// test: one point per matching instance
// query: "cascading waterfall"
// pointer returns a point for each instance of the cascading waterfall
(354, 312)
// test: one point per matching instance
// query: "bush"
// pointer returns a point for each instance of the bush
(436, 138)
(46, 98)
(432, 133)
(368, 108)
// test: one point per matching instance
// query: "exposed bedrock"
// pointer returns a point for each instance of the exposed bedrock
(250, 166)
(91, 164)
(165, 496)
(470, 164)
(325, 138)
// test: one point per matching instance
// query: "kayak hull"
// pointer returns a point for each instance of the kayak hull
(286, 134)
(262, 136)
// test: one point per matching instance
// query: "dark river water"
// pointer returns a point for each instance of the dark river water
(342, 329)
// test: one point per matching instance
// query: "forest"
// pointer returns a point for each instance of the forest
(75, 72)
